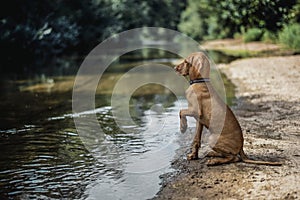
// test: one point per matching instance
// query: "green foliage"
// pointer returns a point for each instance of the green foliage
(224, 18)
(269, 37)
(191, 23)
(203, 19)
(289, 36)
(253, 34)
(35, 33)
(237, 35)
(294, 14)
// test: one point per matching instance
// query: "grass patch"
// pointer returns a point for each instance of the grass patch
(253, 34)
(269, 37)
(289, 36)
(240, 53)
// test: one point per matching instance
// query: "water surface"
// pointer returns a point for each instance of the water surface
(42, 155)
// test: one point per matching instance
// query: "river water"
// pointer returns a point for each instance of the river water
(43, 157)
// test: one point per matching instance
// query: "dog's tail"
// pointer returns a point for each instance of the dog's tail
(259, 162)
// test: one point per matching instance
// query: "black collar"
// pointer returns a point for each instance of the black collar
(200, 80)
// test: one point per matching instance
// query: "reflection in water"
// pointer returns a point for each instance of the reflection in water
(138, 158)
(51, 161)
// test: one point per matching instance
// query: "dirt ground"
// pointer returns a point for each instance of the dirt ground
(268, 110)
(238, 44)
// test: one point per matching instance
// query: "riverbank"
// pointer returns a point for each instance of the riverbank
(238, 48)
(268, 110)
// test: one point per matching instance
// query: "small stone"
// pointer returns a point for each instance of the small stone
(216, 182)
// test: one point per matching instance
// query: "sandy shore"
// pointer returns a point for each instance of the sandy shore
(268, 110)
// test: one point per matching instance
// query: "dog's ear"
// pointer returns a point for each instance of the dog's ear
(200, 63)
(191, 60)
(205, 66)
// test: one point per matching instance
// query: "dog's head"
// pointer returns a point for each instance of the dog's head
(183, 68)
(195, 65)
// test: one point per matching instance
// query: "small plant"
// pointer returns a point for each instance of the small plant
(289, 36)
(269, 37)
(253, 34)
(237, 35)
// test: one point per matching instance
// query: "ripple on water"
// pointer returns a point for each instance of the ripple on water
(44, 162)
(50, 160)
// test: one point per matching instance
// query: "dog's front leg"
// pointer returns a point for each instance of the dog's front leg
(183, 121)
(196, 142)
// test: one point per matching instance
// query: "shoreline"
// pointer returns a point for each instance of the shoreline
(268, 110)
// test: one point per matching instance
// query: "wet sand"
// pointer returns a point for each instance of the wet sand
(268, 109)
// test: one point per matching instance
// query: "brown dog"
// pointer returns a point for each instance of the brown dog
(210, 111)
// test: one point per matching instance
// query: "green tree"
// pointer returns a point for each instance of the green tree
(34, 34)
(193, 23)
(130, 14)
(223, 18)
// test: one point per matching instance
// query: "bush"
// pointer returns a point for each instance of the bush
(289, 36)
(237, 35)
(269, 37)
(253, 34)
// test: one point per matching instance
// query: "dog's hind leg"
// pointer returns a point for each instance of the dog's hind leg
(214, 154)
(224, 160)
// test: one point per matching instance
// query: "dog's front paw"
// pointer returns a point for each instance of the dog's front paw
(183, 126)
(192, 156)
